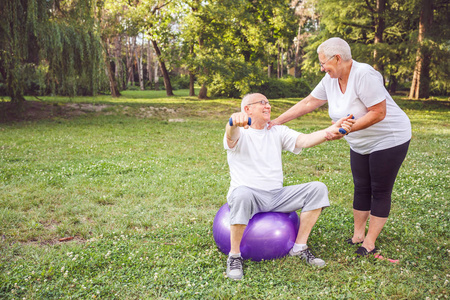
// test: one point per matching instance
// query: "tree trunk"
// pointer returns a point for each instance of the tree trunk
(379, 30)
(191, 76)
(149, 63)
(420, 86)
(281, 63)
(297, 56)
(392, 84)
(278, 63)
(130, 60)
(140, 67)
(118, 60)
(203, 94)
(165, 73)
(191, 83)
(109, 70)
(156, 77)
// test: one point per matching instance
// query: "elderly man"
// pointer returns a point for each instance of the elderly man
(254, 158)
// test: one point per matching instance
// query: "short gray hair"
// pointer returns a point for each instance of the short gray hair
(245, 100)
(335, 46)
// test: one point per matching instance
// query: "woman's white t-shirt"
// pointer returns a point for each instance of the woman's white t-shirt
(365, 88)
(255, 160)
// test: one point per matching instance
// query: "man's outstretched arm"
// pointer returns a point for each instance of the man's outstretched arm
(232, 132)
(331, 133)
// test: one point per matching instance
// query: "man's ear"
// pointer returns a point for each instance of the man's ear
(247, 110)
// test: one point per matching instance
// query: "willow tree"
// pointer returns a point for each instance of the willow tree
(52, 41)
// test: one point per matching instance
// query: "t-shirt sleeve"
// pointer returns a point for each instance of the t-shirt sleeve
(370, 88)
(289, 139)
(225, 144)
(319, 91)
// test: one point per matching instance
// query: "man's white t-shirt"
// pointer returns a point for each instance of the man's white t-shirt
(365, 88)
(255, 160)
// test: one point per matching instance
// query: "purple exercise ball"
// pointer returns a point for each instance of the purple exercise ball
(268, 235)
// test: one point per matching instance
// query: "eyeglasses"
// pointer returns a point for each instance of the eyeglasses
(322, 64)
(262, 102)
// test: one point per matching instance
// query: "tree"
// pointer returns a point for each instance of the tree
(379, 30)
(162, 65)
(154, 17)
(149, 18)
(228, 43)
(49, 44)
(109, 70)
(307, 25)
(420, 86)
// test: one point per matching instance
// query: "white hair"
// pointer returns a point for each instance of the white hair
(245, 101)
(335, 46)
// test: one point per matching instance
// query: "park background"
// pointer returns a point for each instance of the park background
(112, 167)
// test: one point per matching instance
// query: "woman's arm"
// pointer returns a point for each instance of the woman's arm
(331, 133)
(303, 107)
(375, 114)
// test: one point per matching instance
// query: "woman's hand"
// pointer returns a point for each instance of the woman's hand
(346, 123)
(273, 123)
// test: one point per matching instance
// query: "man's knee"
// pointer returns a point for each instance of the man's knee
(320, 188)
(240, 203)
(241, 196)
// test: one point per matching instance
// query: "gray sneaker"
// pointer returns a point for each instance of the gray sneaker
(308, 257)
(235, 266)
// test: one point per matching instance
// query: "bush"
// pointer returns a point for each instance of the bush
(179, 82)
(440, 88)
(221, 87)
(232, 77)
(289, 87)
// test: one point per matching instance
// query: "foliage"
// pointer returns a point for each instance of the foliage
(354, 21)
(288, 87)
(54, 47)
(233, 77)
(139, 195)
(241, 37)
(180, 82)
(49, 46)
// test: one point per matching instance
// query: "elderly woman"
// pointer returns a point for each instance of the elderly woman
(378, 140)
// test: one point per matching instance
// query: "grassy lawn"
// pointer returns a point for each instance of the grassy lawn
(135, 186)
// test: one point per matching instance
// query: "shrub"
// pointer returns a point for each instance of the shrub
(179, 82)
(288, 87)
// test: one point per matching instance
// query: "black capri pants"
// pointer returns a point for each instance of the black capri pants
(374, 176)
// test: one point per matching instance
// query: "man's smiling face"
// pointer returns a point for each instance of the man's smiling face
(259, 108)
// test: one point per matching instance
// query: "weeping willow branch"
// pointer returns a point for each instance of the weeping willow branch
(49, 43)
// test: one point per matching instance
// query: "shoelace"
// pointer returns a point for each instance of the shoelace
(309, 255)
(235, 263)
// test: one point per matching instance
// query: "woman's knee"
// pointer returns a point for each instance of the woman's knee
(381, 204)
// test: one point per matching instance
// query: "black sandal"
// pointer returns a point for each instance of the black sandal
(361, 251)
(349, 241)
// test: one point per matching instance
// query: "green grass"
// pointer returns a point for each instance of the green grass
(139, 194)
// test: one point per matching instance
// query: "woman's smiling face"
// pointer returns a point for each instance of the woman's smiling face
(328, 65)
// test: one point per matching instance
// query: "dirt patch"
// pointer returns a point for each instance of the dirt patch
(36, 110)
(54, 241)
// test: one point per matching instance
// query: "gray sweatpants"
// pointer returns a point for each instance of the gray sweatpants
(245, 202)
